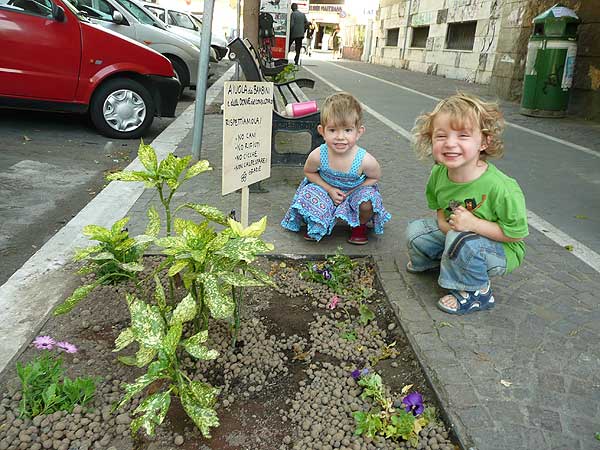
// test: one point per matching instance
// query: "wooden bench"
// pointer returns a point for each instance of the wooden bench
(283, 94)
(268, 68)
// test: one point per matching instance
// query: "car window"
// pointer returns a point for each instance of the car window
(181, 20)
(197, 22)
(159, 12)
(97, 9)
(37, 7)
(138, 12)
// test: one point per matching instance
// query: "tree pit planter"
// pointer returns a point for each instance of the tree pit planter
(287, 384)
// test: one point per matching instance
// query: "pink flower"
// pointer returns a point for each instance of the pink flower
(44, 343)
(67, 347)
(333, 302)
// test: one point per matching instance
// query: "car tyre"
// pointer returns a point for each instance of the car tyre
(122, 108)
(181, 73)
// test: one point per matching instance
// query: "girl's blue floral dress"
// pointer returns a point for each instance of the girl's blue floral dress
(311, 203)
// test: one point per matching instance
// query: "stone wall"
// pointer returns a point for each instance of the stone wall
(499, 53)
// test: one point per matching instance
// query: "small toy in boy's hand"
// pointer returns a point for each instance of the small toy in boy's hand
(453, 204)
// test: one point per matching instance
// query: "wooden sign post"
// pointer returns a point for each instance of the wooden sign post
(247, 125)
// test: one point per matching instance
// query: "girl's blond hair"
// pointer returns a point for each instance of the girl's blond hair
(341, 109)
(465, 111)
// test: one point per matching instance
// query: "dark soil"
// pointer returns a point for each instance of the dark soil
(272, 383)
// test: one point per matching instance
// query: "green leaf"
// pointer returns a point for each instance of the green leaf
(145, 355)
(194, 347)
(254, 230)
(97, 233)
(159, 293)
(260, 275)
(153, 227)
(237, 279)
(245, 249)
(125, 338)
(85, 252)
(147, 157)
(78, 295)
(171, 241)
(197, 169)
(203, 393)
(220, 306)
(132, 389)
(119, 225)
(177, 267)
(147, 323)
(366, 315)
(102, 257)
(154, 409)
(127, 360)
(569, 247)
(131, 267)
(205, 418)
(126, 245)
(129, 176)
(172, 339)
(210, 212)
(185, 310)
(171, 167)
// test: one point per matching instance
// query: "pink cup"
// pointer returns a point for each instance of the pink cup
(301, 109)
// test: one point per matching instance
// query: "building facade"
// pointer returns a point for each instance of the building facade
(483, 41)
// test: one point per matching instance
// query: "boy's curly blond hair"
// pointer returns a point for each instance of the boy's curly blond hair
(465, 111)
(341, 109)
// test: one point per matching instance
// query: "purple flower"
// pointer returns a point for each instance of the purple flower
(326, 274)
(315, 268)
(67, 347)
(413, 403)
(44, 343)
(357, 374)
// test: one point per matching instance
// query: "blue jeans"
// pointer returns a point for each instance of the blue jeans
(466, 260)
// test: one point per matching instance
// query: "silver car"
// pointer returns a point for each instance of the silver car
(129, 18)
(187, 26)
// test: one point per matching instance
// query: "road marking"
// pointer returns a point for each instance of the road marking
(584, 253)
(31, 293)
(581, 148)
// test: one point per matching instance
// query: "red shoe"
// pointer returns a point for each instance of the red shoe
(358, 235)
(308, 238)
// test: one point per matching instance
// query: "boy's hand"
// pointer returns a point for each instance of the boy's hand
(462, 219)
(336, 195)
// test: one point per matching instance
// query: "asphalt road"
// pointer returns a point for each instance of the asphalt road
(51, 166)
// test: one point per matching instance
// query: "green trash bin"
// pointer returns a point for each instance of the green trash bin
(550, 63)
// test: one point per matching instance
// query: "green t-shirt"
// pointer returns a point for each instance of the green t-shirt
(493, 196)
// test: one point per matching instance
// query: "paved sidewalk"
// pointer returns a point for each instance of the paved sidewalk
(525, 375)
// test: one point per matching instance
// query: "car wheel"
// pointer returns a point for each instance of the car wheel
(122, 108)
(181, 74)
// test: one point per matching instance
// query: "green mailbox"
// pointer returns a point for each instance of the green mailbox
(550, 63)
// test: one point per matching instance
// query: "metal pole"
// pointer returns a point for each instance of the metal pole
(201, 84)
(238, 10)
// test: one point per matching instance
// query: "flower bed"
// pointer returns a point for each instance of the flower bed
(210, 346)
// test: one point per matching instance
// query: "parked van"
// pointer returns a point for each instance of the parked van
(54, 59)
(130, 19)
(188, 26)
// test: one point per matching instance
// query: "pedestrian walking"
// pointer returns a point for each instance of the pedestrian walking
(336, 42)
(481, 216)
(340, 178)
(313, 26)
(298, 26)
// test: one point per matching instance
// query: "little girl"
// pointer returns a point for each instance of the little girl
(340, 178)
(481, 218)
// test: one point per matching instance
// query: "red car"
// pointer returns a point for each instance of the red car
(54, 59)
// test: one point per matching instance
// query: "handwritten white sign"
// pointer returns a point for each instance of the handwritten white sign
(247, 125)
